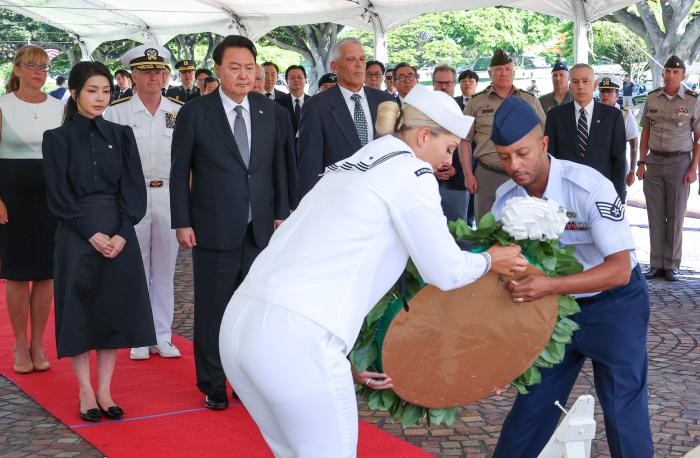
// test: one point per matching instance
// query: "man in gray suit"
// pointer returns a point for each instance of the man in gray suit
(339, 121)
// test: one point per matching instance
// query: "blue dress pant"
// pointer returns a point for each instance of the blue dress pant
(613, 335)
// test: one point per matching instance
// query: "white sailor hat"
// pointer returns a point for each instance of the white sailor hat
(147, 57)
(441, 108)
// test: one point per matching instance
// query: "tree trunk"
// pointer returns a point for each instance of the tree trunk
(680, 34)
(315, 47)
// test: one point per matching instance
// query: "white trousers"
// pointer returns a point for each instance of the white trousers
(159, 246)
(293, 377)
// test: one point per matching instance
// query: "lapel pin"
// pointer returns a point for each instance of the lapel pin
(109, 146)
(260, 111)
(597, 121)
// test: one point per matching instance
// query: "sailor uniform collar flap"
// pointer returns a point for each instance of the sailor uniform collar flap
(363, 163)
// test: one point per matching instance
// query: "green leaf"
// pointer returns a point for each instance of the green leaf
(436, 416)
(450, 415)
(549, 263)
(374, 400)
(520, 387)
(567, 306)
(411, 415)
(361, 358)
(532, 376)
(487, 222)
(388, 398)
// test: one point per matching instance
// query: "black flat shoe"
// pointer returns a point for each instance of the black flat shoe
(92, 415)
(216, 402)
(113, 412)
(653, 272)
(673, 275)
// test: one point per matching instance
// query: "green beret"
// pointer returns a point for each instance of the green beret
(674, 62)
(500, 57)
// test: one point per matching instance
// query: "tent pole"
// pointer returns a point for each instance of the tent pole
(581, 46)
(380, 47)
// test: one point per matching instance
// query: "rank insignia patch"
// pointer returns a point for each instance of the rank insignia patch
(614, 211)
(423, 171)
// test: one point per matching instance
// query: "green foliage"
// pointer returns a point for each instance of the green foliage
(366, 354)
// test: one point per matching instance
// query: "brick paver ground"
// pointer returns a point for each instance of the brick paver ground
(674, 381)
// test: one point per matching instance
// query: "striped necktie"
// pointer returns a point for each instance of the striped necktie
(582, 133)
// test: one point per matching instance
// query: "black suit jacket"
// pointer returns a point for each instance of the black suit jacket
(216, 205)
(460, 102)
(287, 102)
(116, 94)
(606, 140)
(327, 132)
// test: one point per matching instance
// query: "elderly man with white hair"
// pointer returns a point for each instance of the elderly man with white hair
(336, 123)
(289, 326)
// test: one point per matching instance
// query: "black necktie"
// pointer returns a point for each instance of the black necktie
(269, 95)
(297, 110)
(582, 133)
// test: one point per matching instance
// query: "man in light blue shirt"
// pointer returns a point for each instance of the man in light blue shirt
(611, 292)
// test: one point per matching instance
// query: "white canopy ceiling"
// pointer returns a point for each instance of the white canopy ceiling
(94, 21)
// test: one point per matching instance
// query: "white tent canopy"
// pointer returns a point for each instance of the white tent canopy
(93, 22)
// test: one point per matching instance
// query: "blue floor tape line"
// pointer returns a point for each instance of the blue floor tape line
(167, 414)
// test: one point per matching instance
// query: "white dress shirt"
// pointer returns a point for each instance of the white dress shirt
(341, 251)
(631, 128)
(365, 107)
(589, 112)
(154, 133)
(229, 109)
(301, 101)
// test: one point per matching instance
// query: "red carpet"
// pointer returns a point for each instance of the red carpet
(165, 416)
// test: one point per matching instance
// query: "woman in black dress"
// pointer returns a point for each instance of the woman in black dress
(97, 191)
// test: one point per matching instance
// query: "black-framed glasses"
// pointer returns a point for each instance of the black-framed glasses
(445, 83)
(388, 77)
(374, 75)
(33, 67)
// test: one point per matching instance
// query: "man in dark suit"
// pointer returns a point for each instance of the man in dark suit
(295, 75)
(339, 121)
(405, 77)
(272, 74)
(123, 87)
(468, 81)
(589, 132)
(233, 143)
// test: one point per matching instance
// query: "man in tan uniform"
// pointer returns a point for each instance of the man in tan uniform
(489, 173)
(671, 130)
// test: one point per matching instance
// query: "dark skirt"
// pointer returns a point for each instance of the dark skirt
(26, 241)
(101, 303)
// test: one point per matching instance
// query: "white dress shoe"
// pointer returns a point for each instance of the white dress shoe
(166, 350)
(139, 353)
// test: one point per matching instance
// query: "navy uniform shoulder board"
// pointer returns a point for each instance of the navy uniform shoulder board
(118, 101)
(178, 101)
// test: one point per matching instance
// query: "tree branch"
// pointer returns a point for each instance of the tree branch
(691, 36)
(647, 16)
(288, 47)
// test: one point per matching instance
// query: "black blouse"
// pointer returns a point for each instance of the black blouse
(87, 157)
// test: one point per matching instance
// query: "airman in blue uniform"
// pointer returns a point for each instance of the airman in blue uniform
(611, 292)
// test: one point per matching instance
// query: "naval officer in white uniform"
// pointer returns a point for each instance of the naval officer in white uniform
(152, 118)
(288, 328)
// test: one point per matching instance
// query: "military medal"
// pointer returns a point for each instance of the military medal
(170, 120)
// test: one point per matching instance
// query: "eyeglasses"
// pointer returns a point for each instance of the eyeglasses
(374, 75)
(388, 77)
(445, 83)
(33, 67)
(404, 78)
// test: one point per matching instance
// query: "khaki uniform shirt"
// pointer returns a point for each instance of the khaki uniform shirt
(548, 101)
(671, 120)
(482, 106)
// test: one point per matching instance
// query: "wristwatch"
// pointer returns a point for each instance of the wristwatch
(641, 163)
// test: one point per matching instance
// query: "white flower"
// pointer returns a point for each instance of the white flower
(532, 218)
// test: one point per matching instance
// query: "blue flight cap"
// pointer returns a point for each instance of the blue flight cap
(559, 65)
(513, 120)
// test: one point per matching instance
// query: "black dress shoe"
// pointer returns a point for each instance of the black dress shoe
(113, 412)
(216, 401)
(653, 272)
(92, 415)
(672, 275)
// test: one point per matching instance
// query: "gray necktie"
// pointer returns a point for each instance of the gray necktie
(359, 118)
(240, 134)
